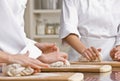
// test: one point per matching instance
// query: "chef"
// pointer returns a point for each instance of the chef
(13, 39)
(91, 27)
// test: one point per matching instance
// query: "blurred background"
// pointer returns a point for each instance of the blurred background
(42, 21)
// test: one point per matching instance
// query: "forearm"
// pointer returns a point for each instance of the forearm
(4, 57)
(75, 42)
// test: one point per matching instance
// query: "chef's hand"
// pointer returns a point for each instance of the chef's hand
(53, 57)
(47, 47)
(115, 53)
(91, 53)
(24, 60)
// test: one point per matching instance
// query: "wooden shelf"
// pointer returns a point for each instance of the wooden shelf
(45, 36)
(46, 11)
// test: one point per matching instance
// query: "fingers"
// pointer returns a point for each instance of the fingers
(53, 47)
(117, 55)
(95, 51)
(112, 53)
(35, 64)
(27, 53)
(63, 55)
(86, 55)
(53, 57)
(26, 61)
(37, 71)
(91, 53)
(61, 59)
(47, 47)
(39, 63)
(99, 49)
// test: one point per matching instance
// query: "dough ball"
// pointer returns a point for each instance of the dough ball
(60, 64)
(67, 63)
(17, 70)
(106, 68)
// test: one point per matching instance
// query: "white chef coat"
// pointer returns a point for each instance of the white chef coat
(12, 36)
(96, 22)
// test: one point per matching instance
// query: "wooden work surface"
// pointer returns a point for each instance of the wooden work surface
(46, 77)
(79, 68)
(112, 63)
(114, 75)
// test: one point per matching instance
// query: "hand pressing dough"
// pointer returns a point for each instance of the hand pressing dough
(60, 64)
(17, 70)
(98, 59)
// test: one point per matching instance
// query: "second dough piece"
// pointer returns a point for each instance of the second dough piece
(60, 64)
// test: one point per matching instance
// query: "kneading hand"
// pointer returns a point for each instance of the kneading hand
(24, 60)
(91, 53)
(53, 57)
(47, 47)
(115, 54)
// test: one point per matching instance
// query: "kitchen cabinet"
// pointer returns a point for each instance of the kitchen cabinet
(44, 21)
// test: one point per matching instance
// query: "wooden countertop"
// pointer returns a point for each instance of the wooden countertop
(46, 77)
(114, 75)
(114, 64)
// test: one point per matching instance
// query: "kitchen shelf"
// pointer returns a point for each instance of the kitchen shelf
(45, 36)
(46, 11)
(44, 16)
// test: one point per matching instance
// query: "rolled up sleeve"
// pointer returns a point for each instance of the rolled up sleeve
(69, 19)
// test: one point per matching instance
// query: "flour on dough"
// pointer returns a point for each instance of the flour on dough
(60, 64)
(17, 70)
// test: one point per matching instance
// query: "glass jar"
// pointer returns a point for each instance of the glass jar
(49, 29)
(59, 5)
(49, 4)
(57, 28)
(41, 27)
(53, 4)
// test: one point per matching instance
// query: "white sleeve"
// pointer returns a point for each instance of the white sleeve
(33, 50)
(69, 19)
(12, 36)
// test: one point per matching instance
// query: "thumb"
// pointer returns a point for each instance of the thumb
(62, 59)
(99, 49)
(27, 53)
